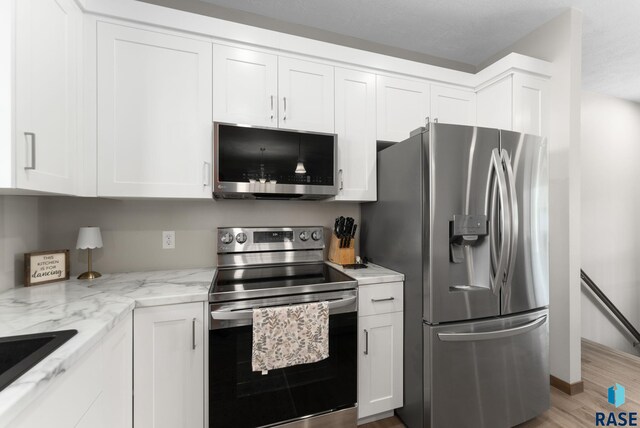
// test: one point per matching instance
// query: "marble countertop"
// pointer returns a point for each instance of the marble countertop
(157, 288)
(372, 274)
(91, 307)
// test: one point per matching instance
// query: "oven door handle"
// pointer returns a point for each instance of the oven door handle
(247, 314)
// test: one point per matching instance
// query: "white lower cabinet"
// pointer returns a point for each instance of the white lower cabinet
(169, 366)
(95, 392)
(380, 349)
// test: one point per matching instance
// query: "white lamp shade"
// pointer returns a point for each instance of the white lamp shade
(89, 237)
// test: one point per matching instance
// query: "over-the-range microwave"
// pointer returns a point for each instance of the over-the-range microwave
(268, 163)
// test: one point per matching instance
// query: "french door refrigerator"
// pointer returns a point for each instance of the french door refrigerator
(463, 213)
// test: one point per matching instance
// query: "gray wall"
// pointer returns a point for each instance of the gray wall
(132, 229)
(19, 233)
(610, 196)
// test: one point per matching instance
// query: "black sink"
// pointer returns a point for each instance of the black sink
(19, 353)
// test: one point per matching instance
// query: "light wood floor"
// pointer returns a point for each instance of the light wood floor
(601, 368)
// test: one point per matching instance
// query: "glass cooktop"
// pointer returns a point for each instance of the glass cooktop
(265, 281)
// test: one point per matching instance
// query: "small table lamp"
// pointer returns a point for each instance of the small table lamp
(88, 239)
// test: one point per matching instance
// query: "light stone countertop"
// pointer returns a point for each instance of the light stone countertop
(372, 274)
(91, 307)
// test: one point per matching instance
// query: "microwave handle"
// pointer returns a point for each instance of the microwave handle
(341, 180)
(247, 314)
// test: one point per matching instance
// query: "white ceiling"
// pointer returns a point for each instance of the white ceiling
(472, 31)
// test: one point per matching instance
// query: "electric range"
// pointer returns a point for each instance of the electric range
(267, 267)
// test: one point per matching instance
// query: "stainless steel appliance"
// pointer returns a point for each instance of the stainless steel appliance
(263, 267)
(463, 213)
(270, 163)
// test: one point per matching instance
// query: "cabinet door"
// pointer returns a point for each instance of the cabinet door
(168, 366)
(528, 108)
(495, 105)
(154, 114)
(451, 105)
(403, 105)
(117, 391)
(245, 86)
(47, 45)
(379, 364)
(306, 100)
(355, 126)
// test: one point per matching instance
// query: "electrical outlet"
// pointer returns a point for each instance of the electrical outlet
(168, 240)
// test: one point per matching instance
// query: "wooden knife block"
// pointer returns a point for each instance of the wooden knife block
(342, 256)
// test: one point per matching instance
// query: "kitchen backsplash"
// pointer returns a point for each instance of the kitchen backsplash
(132, 229)
(19, 233)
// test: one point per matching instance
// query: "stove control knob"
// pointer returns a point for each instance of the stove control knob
(304, 236)
(316, 235)
(226, 238)
(241, 238)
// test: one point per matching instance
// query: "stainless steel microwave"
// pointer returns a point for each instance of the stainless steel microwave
(268, 163)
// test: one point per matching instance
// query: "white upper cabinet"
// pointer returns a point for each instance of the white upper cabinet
(48, 34)
(154, 114)
(403, 105)
(355, 126)
(528, 102)
(245, 86)
(495, 104)
(261, 89)
(516, 102)
(452, 105)
(306, 95)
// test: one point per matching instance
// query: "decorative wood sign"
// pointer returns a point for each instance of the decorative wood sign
(46, 266)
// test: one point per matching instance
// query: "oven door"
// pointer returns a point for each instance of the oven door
(240, 397)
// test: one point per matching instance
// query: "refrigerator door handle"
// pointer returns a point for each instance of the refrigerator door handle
(505, 223)
(492, 335)
(513, 205)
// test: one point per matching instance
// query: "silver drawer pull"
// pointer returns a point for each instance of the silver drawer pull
(387, 299)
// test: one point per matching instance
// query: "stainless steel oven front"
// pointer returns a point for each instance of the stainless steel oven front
(316, 394)
(269, 163)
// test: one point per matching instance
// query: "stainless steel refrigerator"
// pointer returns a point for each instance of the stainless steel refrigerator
(463, 213)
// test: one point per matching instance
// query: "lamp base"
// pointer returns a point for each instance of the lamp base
(90, 275)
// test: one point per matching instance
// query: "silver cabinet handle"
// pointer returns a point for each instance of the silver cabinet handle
(490, 335)
(435, 120)
(32, 137)
(284, 99)
(387, 299)
(193, 334)
(366, 342)
(341, 180)
(206, 172)
(271, 107)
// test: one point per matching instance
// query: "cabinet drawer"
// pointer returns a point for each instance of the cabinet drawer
(380, 298)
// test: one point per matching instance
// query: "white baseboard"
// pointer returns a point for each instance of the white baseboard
(376, 417)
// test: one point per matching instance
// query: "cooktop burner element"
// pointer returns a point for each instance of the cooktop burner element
(257, 262)
(277, 280)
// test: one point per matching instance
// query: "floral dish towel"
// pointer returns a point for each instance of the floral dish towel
(285, 336)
